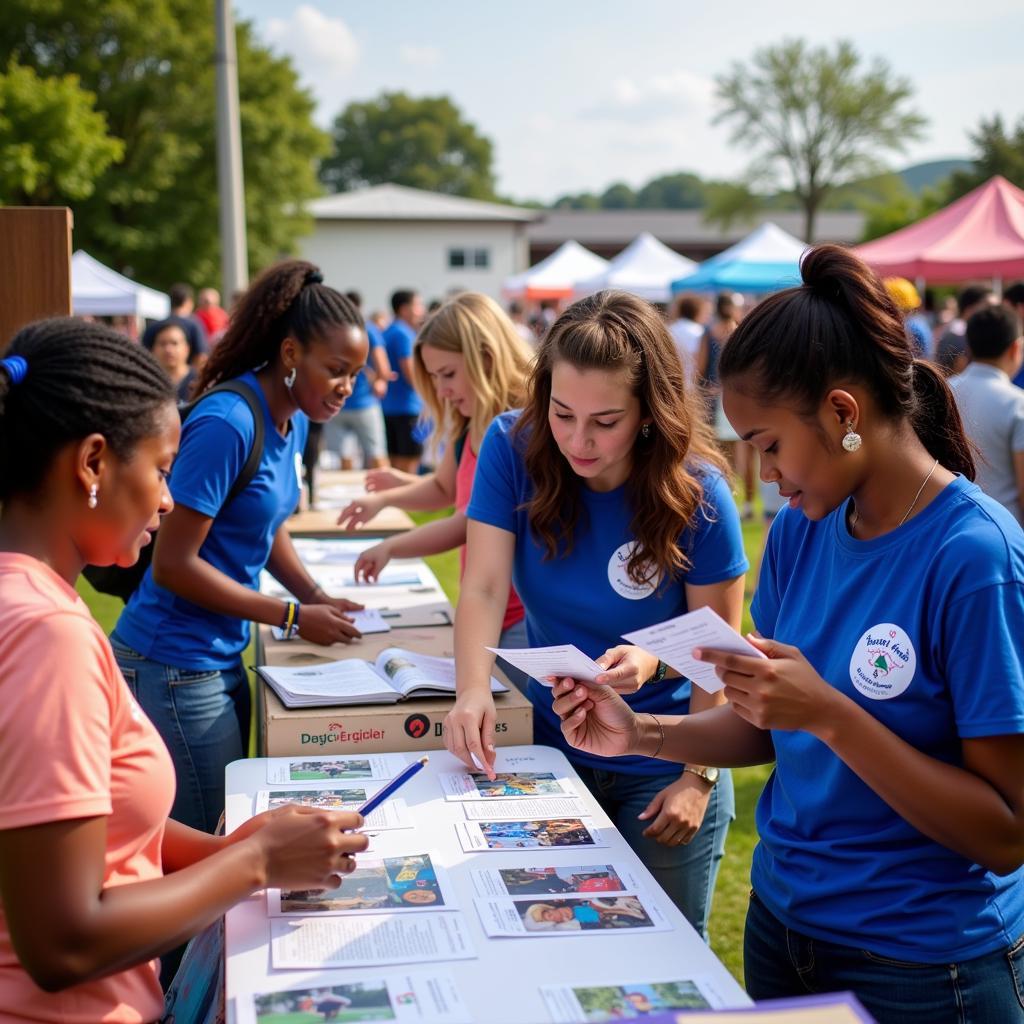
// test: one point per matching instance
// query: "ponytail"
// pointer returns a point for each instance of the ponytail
(287, 299)
(937, 421)
(841, 326)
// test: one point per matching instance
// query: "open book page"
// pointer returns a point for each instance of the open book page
(347, 680)
(629, 998)
(368, 941)
(406, 997)
(553, 916)
(409, 671)
(673, 642)
(554, 881)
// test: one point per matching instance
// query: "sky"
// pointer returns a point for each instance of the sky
(578, 94)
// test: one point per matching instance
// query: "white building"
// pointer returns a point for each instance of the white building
(376, 240)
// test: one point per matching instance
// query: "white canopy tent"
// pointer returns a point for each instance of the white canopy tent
(97, 290)
(646, 267)
(556, 276)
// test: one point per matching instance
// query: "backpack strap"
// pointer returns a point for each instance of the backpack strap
(252, 462)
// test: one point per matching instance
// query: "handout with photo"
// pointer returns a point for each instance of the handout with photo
(393, 813)
(546, 807)
(570, 915)
(534, 834)
(400, 884)
(548, 881)
(370, 940)
(405, 998)
(631, 1000)
(505, 785)
(285, 770)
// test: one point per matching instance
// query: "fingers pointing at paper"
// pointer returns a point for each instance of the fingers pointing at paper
(779, 691)
(469, 732)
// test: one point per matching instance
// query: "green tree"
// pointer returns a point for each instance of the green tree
(149, 63)
(682, 191)
(618, 197)
(53, 141)
(815, 118)
(422, 142)
(996, 151)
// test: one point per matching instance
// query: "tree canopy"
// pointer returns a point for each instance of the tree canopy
(814, 118)
(149, 63)
(423, 142)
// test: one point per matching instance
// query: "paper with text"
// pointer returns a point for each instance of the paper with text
(673, 642)
(391, 814)
(555, 916)
(566, 807)
(561, 660)
(334, 769)
(626, 1000)
(535, 834)
(596, 879)
(504, 786)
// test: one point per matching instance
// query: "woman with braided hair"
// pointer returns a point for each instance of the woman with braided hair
(95, 881)
(296, 345)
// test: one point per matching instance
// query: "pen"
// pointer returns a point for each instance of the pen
(399, 780)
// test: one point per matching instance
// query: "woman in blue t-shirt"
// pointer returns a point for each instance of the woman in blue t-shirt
(891, 610)
(605, 503)
(297, 345)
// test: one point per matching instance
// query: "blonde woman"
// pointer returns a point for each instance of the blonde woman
(469, 366)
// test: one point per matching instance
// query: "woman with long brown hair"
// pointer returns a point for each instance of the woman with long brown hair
(606, 504)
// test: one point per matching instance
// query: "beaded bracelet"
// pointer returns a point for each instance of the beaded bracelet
(290, 626)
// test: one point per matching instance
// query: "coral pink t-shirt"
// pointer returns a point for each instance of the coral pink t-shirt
(75, 744)
(464, 473)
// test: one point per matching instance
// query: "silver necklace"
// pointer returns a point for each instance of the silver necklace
(906, 515)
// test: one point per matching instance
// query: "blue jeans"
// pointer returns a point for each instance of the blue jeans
(779, 962)
(514, 638)
(203, 717)
(687, 873)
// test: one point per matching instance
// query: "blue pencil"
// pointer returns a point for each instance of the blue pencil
(399, 780)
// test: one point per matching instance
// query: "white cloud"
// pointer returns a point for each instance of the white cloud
(673, 94)
(419, 56)
(323, 49)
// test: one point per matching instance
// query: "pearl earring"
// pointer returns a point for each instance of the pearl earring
(289, 381)
(94, 499)
(851, 439)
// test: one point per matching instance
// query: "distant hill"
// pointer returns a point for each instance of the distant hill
(921, 176)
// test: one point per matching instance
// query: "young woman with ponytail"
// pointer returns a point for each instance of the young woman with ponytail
(95, 881)
(890, 610)
(297, 345)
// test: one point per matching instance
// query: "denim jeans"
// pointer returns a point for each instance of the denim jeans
(687, 873)
(514, 637)
(203, 717)
(779, 962)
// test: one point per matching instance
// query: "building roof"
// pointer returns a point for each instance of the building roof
(680, 227)
(398, 202)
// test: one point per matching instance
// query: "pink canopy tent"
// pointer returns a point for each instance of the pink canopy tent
(980, 235)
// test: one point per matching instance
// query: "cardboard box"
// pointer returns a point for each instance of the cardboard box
(370, 728)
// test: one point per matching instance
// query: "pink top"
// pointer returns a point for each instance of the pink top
(75, 744)
(464, 473)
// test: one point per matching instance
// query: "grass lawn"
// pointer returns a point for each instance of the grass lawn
(730, 905)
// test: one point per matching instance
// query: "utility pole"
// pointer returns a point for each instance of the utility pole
(234, 262)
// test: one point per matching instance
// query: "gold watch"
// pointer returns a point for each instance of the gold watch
(709, 775)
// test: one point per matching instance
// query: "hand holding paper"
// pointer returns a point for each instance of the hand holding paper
(559, 661)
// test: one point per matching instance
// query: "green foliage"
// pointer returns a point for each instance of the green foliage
(420, 142)
(682, 191)
(150, 65)
(53, 141)
(814, 118)
(618, 197)
(997, 151)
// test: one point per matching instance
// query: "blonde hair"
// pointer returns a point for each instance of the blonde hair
(497, 362)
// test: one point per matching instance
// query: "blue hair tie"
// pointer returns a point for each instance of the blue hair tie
(16, 367)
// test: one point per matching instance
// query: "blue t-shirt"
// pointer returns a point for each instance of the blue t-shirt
(921, 627)
(401, 399)
(215, 442)
(587, 597)
(362, 396)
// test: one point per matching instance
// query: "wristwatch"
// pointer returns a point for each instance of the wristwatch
(659, 674)
(709, 775)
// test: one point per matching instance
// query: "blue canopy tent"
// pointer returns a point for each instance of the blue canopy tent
(766, 260)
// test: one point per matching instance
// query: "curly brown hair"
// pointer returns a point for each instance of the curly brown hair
(615, 331)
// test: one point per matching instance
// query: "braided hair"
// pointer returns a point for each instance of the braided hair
(287, 299)
(82, 378)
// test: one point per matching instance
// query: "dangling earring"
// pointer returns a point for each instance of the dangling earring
(289, 381)
(94, 498)
(851, 439)
(645, 431)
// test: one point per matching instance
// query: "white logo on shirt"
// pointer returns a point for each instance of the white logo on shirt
(620, 579)
(883, 662)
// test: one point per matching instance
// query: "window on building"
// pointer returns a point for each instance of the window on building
(460, 259)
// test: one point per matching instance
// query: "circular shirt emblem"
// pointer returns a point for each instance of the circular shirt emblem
(620, 579)
(883, 662)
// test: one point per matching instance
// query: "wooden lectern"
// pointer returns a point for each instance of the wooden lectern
(35, 266)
